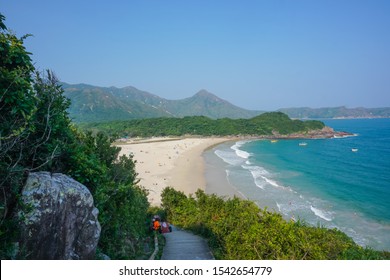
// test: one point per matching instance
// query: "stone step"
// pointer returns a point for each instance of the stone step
(184, 245)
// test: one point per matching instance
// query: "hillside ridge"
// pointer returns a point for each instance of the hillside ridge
(101, 104)
(96, 104)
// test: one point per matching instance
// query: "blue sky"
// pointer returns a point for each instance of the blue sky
(265, 54)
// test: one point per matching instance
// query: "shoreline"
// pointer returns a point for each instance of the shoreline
(191, 168)
(170, 162)
(290, 204)
(179, 162)
(215, 174)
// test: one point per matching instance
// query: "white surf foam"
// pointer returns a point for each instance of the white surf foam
(228, 157)
(257, 171)
(261, 177)
(257, 174)
(321, 213)
(240, 153)
(345, 136)
(271, 182)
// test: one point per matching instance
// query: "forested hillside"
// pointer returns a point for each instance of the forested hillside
(101, 104)
(265, 124)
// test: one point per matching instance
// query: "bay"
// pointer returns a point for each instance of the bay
(339, 183)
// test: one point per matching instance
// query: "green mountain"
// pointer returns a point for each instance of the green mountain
(102, 104)
(97, 104)
(336, 112)
(207, 104)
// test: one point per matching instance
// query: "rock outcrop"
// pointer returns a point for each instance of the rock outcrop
(58, 218)
(326, 132)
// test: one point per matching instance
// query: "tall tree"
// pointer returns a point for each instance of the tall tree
(36, 134)
(17, 106)
(34, 125)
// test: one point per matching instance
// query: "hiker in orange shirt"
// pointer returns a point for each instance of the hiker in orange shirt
(156, 225)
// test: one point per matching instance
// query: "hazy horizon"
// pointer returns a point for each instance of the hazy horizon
(259, 55)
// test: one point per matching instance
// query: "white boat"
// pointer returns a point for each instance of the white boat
(302, 144)
(355, 150)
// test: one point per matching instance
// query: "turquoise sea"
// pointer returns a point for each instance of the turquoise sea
(341, 182)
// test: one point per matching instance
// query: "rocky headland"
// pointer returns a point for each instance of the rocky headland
(326, 132)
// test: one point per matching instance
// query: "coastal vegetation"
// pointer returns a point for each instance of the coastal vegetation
(36, 134)
(239, 230)
(264, 124)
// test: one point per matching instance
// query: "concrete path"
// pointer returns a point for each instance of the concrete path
(183, 245)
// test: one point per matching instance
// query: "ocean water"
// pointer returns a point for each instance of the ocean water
(339, 183)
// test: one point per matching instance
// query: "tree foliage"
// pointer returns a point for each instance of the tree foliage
(36, 134)
(238, 230)
(112, 180)
(34, 127)
(266, 124)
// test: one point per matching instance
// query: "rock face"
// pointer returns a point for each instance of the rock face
(326, 132)
(59, 220)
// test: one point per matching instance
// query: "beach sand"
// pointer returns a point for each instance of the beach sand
(174, 162)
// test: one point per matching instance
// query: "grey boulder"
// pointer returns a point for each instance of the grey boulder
(58, 218)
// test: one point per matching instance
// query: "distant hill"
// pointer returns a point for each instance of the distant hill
(97, 104)
(336, 112)
(102, 104)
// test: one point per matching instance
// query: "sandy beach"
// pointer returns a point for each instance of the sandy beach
(174, 162)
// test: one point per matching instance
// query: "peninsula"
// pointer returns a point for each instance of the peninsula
(267, 125)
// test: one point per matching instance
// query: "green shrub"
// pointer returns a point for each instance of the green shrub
(238, 230)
